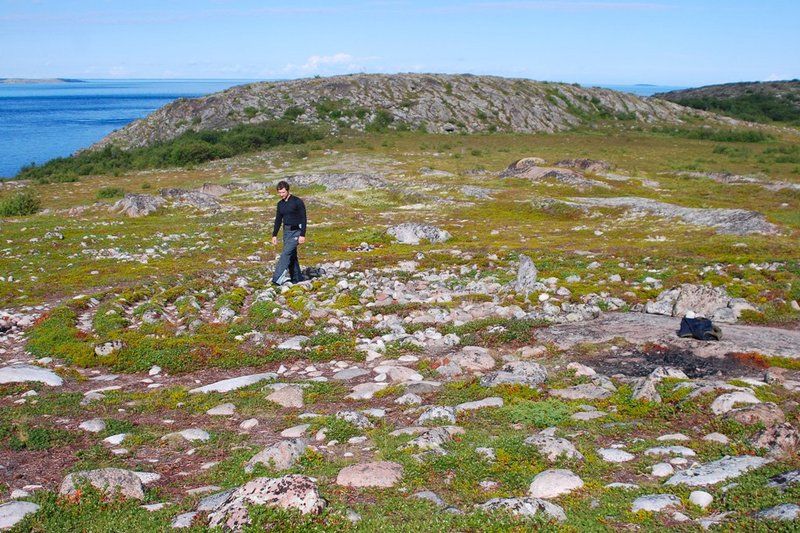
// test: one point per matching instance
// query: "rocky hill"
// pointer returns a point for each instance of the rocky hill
(769, 101)
(436, 103)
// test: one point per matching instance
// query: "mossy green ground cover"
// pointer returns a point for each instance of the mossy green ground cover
(181, 264)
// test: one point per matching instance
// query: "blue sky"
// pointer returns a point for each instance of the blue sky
(663, 42)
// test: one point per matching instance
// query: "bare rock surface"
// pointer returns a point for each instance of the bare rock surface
(716, 471)
(23, 373)
(525, 507)
(289, 492)
(413, 233)
(227, 385)
(107, 480)
(641, 328)
(351, 181)
(554, 483)
(279, 456)
(377, 474)
(137, 205)
(11, 513)
(730, 221)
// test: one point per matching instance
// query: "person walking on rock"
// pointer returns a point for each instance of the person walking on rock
(291, 212)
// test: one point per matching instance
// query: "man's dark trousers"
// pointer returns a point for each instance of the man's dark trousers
(288, 268)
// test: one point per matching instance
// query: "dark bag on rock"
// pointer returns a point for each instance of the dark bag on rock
(313, 272)
(699, 328)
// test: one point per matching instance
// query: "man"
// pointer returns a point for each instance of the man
(291, 212)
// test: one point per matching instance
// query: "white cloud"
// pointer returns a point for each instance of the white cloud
(339, 62)
(777, 77)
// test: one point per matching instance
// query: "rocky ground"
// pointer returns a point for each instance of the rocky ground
(453, 369)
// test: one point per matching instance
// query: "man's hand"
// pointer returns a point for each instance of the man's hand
(274, 241)
(301, 240)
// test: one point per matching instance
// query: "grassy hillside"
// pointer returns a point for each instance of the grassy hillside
(765, 102)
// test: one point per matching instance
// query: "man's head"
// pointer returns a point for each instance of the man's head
(283, 190)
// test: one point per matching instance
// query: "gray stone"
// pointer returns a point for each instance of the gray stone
(766, 413)
(288, 492)
(553, 447)
(293, 343)
(474, 358)
(365, 391)
(725, 402)
(107, 348)
(683, 451)
(290, 396)
(12, 513)
(412, 233)
(408, 399)
(584, 391)
(613, 455)
(438, 415)
(279, 456)
(107, 480)
(376, 474)
(183, 520)
(784, 512)
(554, 483)
(213, 501)
(654, 502)
(527, 507)
(526, 275)
(785, 480)
(431, 497)
(350, 373)
(354, 417)
(493, 401)
(225, 409)
(645, 390)
(716, 471)
(95, 425)
(24, 373)
(190, 435)
(782, 440)
(227, 385)
(137, 205)
(517, 373)
(430, 440)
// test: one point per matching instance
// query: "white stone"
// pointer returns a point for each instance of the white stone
(654, 502)
(95, 425)
(24, 373)
(295, 431)
(716, 471)
(12, 513)
(493, 401)
(717, 437)
(728, 401)
(662, 470)
(225, 409)
(250, 423)
(115, 440)
(191, 435)
(554, 483)
(611, 455)
(701, 498)
(227, 385)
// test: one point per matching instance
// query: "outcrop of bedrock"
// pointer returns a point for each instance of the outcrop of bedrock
(438, 103)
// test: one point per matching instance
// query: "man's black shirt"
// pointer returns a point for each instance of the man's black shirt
(292, 212)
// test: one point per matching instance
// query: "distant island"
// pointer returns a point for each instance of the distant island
(25, 81)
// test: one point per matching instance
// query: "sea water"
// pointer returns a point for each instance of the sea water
(42, 121)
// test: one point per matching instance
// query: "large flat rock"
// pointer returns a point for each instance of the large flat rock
(641, 328)
(24, 373)
(716, 471)
(227, 385)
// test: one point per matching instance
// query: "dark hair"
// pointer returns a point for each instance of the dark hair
(282, 185)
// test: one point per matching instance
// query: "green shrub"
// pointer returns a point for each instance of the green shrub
(543, 414)
(110, 192)
(24, 202)
(190, 148)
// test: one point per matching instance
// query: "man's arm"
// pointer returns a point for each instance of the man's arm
(278, 220)
(303, 222)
